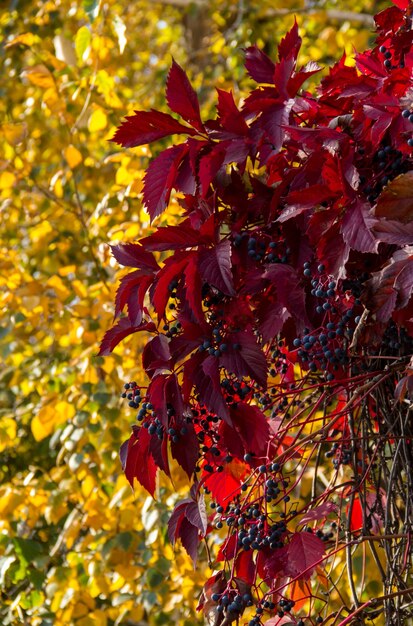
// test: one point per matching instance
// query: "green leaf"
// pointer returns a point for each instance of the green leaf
(82, 43)
(91, 7)
(124, 540)
(27, 550)
(154, 577)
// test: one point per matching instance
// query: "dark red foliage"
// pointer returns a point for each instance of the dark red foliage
(291, 272)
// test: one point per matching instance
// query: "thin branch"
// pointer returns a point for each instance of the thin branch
(331, 14)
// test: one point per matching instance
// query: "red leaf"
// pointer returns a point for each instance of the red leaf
(290, 44)
(301, 76)
(157, 394)
(134, 255)
(369, 64)
(319, 512)
(290, 294)
(301, 200)
(215, 584)
(232, 441)
(131, 292)
(159, 451)
(396, 201)
(230, 117)
(245, 567)
(252, 426)
(186, 522)
(226, 485)
(195, 512)
(304, 552)
(282, 75)
(391, 231)
(147, 126)
(193, 290)
(215, 267)
(259, 66)
(391, 286)
(118, 332)
(402, 4)
(272, 122)
(173, 267)
(173, 238)
(137, 461)
(356, 233)
(156, 355)
(246, 360)
(182, 98)
(185, 450)
(190, 539)
(160, 178)
(209, 166)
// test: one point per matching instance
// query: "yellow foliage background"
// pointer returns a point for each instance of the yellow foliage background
(77, 547)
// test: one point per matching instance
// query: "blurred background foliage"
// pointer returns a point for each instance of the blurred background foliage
(77, 547)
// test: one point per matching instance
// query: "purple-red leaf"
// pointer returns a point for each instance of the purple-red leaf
(118, 332)
(290, 294)
(174, 266)
(391, 231)
(137, 461)
(230, 117)
(193, 290)
(215, 267)
(305, 551)
(147, 126)
(182, 98)
(156, 355)
(355, 230)
(319, 512)
(160, 178)
(290, 44)
(244, 357)
(259, 66)
(131, 292)
(134, 255)
(173, 238)
(396, 201)
(185, 450)
(203, 372)
(252, 426)
(187, 521)
(209, 166)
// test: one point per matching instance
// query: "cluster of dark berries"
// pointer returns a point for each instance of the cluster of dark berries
(133, 394)
(232, 603)
(325, 348)
(389, 63)
(261, 249)
(235, 390)
(387, 164)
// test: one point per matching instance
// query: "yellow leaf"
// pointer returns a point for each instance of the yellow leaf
(87, 486)
(73, 156)
(50, 416)
(40, 76)
(6, 180)
(124, 176)
(97, 121)
(82, 43)
(14, 133)
(26, 39)
(8, 432)
(59, 287)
